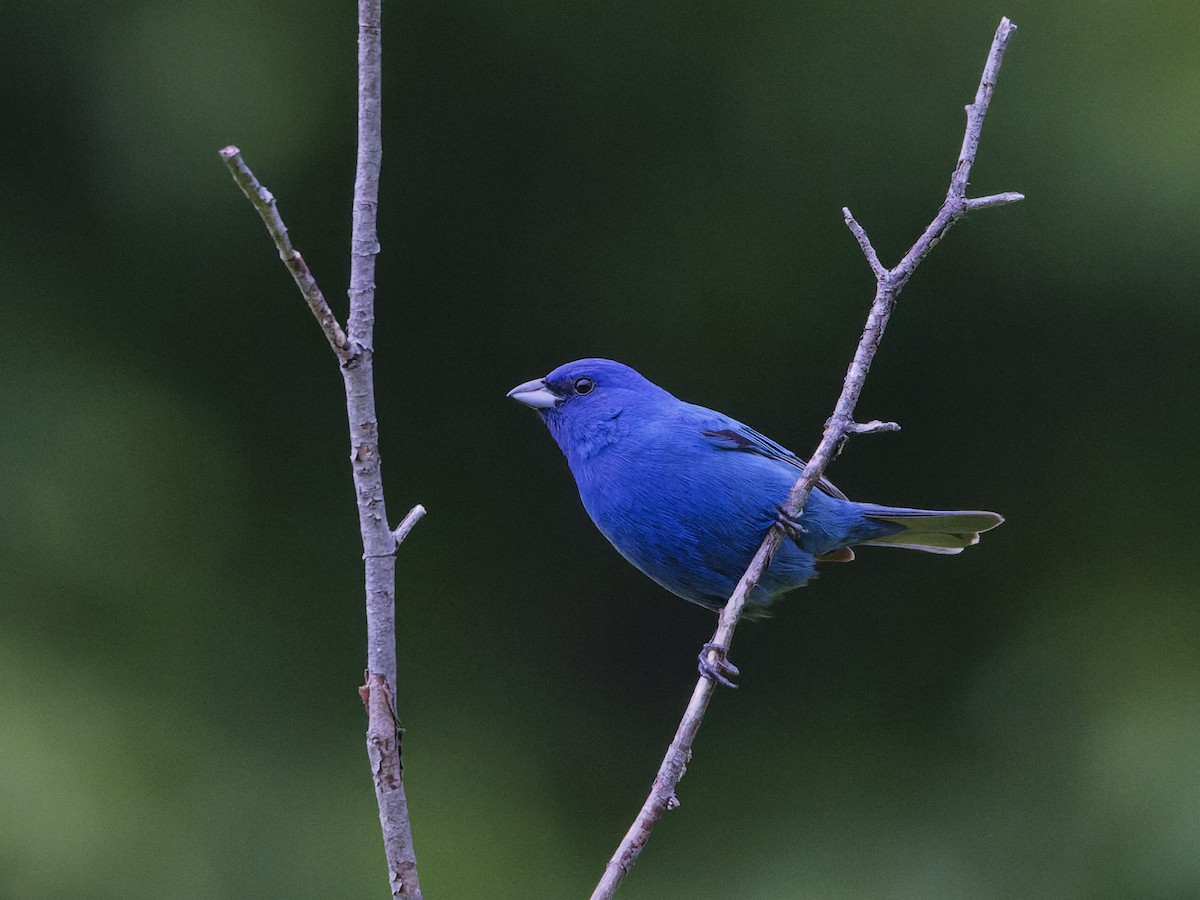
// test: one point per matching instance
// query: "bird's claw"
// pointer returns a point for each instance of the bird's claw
(719, 670)
(790, 524)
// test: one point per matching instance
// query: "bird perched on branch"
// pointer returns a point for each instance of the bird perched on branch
(687, 494)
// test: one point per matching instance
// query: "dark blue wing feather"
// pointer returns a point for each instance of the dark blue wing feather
(730, 434)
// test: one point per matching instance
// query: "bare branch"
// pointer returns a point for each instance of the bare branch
(840, 425)
(379, 542)
(264, 201)
(355, 351)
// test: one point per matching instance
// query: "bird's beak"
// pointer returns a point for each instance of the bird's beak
(536, 394)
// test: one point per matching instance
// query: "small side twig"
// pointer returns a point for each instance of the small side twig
(264, 202)
(840, 426)
(872, 427)
(400, 532)
(878, 268)
(994, 200)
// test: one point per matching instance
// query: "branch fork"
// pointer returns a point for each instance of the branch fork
(839, 427)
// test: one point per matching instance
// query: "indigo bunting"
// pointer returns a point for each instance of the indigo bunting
(686, 494)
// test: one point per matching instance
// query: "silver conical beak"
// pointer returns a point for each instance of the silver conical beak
(536, 394)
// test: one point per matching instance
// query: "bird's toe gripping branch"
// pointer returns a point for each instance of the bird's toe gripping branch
(790, 524)
(719, 669)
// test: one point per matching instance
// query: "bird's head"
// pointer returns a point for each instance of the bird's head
(587, 402)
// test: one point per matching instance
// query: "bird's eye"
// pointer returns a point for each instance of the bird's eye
(584, 385)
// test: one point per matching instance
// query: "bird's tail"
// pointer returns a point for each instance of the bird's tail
(931, 530)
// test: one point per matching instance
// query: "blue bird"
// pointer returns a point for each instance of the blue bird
(686, 494)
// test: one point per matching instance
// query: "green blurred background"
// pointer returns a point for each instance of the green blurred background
(181, 625)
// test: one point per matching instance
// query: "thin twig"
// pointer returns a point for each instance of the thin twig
(355, 351)
(841, 424)
(865, 243)
(264, 201)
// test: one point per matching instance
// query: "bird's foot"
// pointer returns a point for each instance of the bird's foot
(790, 524)
(720, 670)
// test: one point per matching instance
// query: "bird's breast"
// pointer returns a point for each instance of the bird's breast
(670, 507)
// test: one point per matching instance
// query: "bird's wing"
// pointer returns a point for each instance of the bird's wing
(729, 434)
